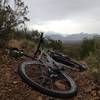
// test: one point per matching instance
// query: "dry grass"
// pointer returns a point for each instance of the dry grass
(14, 43)
(21, 44)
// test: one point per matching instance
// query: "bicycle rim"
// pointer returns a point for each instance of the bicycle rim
(40, 82)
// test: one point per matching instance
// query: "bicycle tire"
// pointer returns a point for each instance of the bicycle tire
(22, 73)
(68, 61)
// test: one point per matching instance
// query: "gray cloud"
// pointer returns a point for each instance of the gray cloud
(60, 9)
(83, 11)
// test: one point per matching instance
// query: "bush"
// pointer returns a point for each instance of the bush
(72, 50)
(10, 18)
(93, 62)
(14, 43)
(27, 44)
(87, 47)
(21, 44)
(56, 45)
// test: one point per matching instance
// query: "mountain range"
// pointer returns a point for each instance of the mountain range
(71, 38)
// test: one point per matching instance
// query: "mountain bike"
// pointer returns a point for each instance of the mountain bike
(45, 73)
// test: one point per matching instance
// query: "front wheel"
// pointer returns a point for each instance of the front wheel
(36, 75)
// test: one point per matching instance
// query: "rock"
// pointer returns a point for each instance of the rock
(99, 93)
(39, 98)
(93, 86)
(93, 93)
(9, 90)
(7, 76)
(87, 90)
(60, 85)
(15, 82)
(79, 96)
(96, 98)
(80, 83)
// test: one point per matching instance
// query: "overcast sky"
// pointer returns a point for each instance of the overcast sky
(64, 16)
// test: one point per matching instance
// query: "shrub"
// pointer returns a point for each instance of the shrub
(25, 44)
(93, 62)
(10, 18)
(21, 44)
(87, 47)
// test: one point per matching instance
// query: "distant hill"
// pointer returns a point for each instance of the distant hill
(72, 37)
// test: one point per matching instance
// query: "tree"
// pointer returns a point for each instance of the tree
(11, 17)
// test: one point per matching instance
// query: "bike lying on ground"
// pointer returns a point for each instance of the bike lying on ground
(45, 73)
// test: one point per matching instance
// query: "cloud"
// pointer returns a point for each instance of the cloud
(68, 26)
(82, 13)
(60, 9)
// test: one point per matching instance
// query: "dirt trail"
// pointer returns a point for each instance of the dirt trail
(12, 87)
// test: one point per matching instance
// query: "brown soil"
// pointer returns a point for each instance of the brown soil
(13, 88)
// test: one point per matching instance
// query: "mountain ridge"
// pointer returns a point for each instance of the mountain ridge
(72, 37)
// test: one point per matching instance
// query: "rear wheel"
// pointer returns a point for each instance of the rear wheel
(36, 75)
(73, 64)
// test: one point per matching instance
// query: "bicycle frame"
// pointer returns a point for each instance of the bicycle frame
(52, 62)
(52, 72)
(49, 60)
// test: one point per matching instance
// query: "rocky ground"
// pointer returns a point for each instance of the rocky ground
(13, 88)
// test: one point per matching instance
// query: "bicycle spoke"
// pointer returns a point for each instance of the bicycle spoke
(44, 74)
(46, 83)
(52, 86)
(43, 81)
